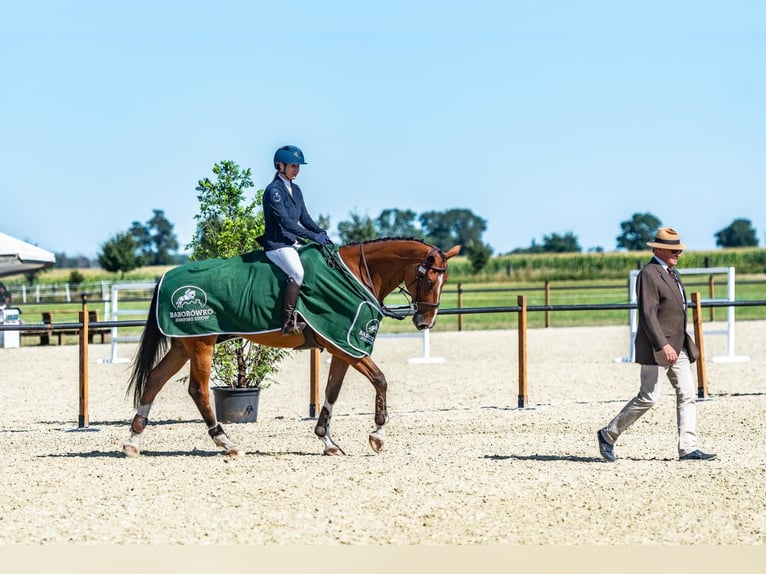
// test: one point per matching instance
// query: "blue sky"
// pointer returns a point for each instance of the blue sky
(540, 117)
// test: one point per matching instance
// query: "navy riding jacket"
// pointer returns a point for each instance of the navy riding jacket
(287, 219)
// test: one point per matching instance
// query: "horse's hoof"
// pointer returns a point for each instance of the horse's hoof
(376, 443)
(232, 452)
(334, 451)
(131, 451)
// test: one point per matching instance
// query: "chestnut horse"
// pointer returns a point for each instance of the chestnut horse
(382, 265)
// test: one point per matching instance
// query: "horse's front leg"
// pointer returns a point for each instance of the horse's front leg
(201, 353)
(170, 364)
(369, 369)
(338, 368)
(378, 436)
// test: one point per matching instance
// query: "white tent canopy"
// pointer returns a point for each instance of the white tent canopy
(17, 256)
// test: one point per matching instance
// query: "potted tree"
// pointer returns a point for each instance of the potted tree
(227, 225)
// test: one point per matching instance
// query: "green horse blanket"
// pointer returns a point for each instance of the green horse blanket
(242, 296)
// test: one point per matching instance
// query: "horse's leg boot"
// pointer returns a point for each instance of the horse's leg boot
(291, 325)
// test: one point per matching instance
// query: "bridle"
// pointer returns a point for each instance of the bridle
(425, 266)
(402, 311)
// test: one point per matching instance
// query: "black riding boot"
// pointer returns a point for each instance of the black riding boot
(290, 321)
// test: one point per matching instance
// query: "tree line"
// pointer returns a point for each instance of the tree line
(155, 243)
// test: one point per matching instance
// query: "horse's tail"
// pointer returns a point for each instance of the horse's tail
(153, 345)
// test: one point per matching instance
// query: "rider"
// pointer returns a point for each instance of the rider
(288, 221)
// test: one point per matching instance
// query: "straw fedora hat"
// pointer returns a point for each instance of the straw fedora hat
(667, 238)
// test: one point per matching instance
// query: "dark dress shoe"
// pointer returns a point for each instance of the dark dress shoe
(607, 450)
(698, 455)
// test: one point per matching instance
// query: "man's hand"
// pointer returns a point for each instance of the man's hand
(670, 354)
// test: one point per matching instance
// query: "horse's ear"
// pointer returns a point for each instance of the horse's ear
(452, 252)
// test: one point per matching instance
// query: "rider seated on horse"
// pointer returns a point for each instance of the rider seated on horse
(287, 222)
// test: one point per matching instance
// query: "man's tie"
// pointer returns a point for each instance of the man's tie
(672, 273)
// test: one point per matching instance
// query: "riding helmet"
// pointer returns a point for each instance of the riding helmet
(288, 154)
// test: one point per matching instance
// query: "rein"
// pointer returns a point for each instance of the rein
(402, 311)
(399, 312)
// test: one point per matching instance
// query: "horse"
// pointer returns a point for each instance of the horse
(418, 269)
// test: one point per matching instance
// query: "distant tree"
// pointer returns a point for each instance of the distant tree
(642, 227)
(555, 243)
(76, 278)
(323, 221)
(120, 254)
(478, 255)
(33, 277)
(534, 247)
(452, 227)
(156, 239)
(360, 228)
(76, 262)
(142, 236)
(163, 238)
(740, 233)
(398, 223)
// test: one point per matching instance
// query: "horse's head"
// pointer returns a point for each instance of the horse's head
(425, 281)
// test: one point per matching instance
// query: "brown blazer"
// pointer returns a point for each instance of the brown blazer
(661, 315)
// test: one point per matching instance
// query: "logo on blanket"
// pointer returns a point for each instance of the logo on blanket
(370, 330)
(190, 304)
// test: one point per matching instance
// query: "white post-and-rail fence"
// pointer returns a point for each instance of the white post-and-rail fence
(522, 310)
(730, 273)
(112, 310)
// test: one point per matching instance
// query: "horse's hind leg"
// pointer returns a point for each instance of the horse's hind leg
(201, 353)
(170, 364)
(338, 370)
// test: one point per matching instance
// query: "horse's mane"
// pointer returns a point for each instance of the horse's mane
(382, 239)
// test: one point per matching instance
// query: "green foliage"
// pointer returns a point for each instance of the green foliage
(360, 228)
(228, 225)
(241, 363)
(553, 243)
(639, 229)
(162, 240)
(323, 221)
(443, 229)
(452, 227)
(76, 262)
(76, 278)
(155, 239)
(120, 254)
(398, 223)
(478, 254)
(740, 233)
(556, 243)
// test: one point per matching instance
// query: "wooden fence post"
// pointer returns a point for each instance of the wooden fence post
(82, 421)
(314, 386)
(547, 302)
(522, 300)
(701, 372)
(460, 306)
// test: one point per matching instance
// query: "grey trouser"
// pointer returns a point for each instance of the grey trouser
(680, 376)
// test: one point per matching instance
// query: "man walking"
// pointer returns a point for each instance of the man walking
(662, 346)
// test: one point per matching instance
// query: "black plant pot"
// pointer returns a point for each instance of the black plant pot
(233, 405)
